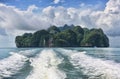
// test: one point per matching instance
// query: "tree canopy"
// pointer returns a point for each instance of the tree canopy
(66, 36)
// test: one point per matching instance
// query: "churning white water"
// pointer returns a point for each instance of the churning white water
(95, 68)
(11, 65)
(58, 63)
(45, 66)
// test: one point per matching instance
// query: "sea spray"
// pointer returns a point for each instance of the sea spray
(45, 66)
(30, 52)
(11, 65)
(93, 68)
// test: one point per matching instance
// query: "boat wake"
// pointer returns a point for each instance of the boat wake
(11, 65)
(47, 63)
(94, 68)
(45, 66)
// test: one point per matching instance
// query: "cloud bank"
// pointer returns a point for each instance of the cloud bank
(14, 21)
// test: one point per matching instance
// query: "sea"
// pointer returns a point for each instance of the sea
(60, 63)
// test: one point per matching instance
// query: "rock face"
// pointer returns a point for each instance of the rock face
(66, 36)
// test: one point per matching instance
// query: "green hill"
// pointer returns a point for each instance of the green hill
(66, 36)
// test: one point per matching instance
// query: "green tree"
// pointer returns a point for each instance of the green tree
(38, 38)
(80, 33)
(53, 30)
(68, 36)
(24, 40)
(95, 38)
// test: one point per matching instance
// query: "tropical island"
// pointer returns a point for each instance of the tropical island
(66, 36)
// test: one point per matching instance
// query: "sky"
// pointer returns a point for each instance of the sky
(23, 4)
(20, 16)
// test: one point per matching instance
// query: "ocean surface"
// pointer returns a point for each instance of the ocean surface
(60, 63)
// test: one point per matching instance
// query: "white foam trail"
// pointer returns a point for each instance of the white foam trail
(45, 66)
(11, 65)
(95, 68)
(28, 52)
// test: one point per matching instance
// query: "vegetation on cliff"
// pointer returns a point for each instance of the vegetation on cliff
(66, 36)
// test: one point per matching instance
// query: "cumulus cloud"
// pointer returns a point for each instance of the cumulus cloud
(56, 1)
(13, 18)
(108, 19)
(14, 21)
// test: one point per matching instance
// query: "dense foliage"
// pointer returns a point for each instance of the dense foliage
(66, 36)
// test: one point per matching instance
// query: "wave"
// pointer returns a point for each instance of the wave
(95, 68)
(11, 65)
(45, 66)
(30, 52)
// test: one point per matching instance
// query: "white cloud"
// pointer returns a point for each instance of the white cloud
(56, 1)
(15, 21)
(32, 8)
(13, 18)
(109, 19)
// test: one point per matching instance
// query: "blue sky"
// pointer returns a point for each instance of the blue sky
(23, 4)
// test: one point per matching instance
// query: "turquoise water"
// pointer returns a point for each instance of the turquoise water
(60, 63)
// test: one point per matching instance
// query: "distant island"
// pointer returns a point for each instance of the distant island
(66, 36)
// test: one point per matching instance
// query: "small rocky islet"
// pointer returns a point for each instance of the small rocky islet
(66, 36)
